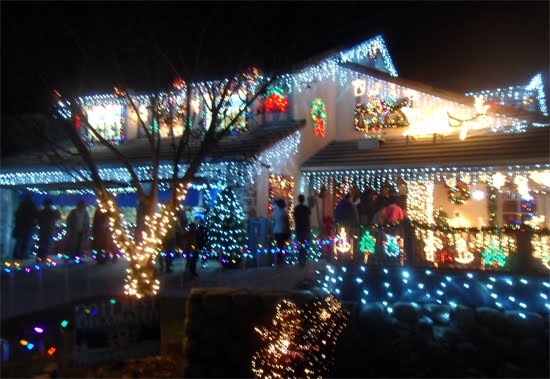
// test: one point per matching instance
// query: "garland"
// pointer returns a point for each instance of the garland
(318, 117)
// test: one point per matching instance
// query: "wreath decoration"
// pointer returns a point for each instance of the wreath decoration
(318, 117)
(459, 193)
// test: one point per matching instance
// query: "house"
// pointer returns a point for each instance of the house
(346, 120)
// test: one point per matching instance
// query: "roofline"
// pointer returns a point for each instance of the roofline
(468, 165)
(442, 93)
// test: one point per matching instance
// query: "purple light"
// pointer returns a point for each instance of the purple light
(38, 330)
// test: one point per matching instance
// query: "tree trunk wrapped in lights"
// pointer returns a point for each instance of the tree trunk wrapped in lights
(225, 104)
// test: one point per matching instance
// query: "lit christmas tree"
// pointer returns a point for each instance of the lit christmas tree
(227, 228)
(494, 255)
(367, 245)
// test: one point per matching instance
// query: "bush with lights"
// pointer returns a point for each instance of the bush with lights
(227, 229)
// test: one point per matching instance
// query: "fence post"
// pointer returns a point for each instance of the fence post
(12, 292)
(88, 287)
(40, 288)
(67, 290)
(524, 263)
(408, 231)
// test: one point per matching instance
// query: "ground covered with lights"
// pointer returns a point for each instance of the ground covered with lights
(395, 322)
(427, 323)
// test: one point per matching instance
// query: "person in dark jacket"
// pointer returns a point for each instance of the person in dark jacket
(302, 228)
(345, 213)
(172, 242)
(191, 248)
(25, 218)
(46, 219)
(102, 239)
(78, 229)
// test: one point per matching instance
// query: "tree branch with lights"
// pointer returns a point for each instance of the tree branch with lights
(141, 249)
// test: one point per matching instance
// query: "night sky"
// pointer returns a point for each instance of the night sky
(85, 48)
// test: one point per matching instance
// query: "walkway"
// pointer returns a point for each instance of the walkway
(23, 292)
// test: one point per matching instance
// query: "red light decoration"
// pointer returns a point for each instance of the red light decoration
(77, 122)
(444, 256)
(178, 84)
(119, 93)
(275, 103)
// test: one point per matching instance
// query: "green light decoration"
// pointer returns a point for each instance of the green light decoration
(227, 228)
(318, 117)
(367, 243)
(493, 255)
(378, 114)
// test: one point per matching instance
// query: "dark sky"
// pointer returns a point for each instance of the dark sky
(89, 47)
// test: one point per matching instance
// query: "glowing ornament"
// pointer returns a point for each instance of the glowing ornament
(178, 84)
(342, 245)
(478, 195)
(541, 249)
(424, 122)
(498, 180)
(536, 222)
(359, 87)
(463, 255)
(393, 246)
(540, 177)
(443, 256)
(119, 93)
(522, 184)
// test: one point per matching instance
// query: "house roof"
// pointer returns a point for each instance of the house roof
(236, 148)
(444, 94)
(494, 149)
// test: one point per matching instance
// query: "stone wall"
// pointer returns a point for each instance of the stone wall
(429, 340)
(433, 340)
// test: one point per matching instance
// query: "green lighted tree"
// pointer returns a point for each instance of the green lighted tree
(227, 228)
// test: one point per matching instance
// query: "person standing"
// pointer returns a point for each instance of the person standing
(281, 228)
(192, 249)
(345, 214)
(78, 227)
(102, 239)
(302, 228)
(46, 219)
(171, 244)
(393, 212)
(25, 218)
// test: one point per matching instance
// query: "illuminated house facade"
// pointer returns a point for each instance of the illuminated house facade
(347, 121)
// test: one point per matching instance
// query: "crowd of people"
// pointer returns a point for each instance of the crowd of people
(354, 209)
(80, 238)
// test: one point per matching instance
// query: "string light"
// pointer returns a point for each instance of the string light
(541, 249)
(506, 294)
(300, 342)
(226, 222)
(518, 95)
